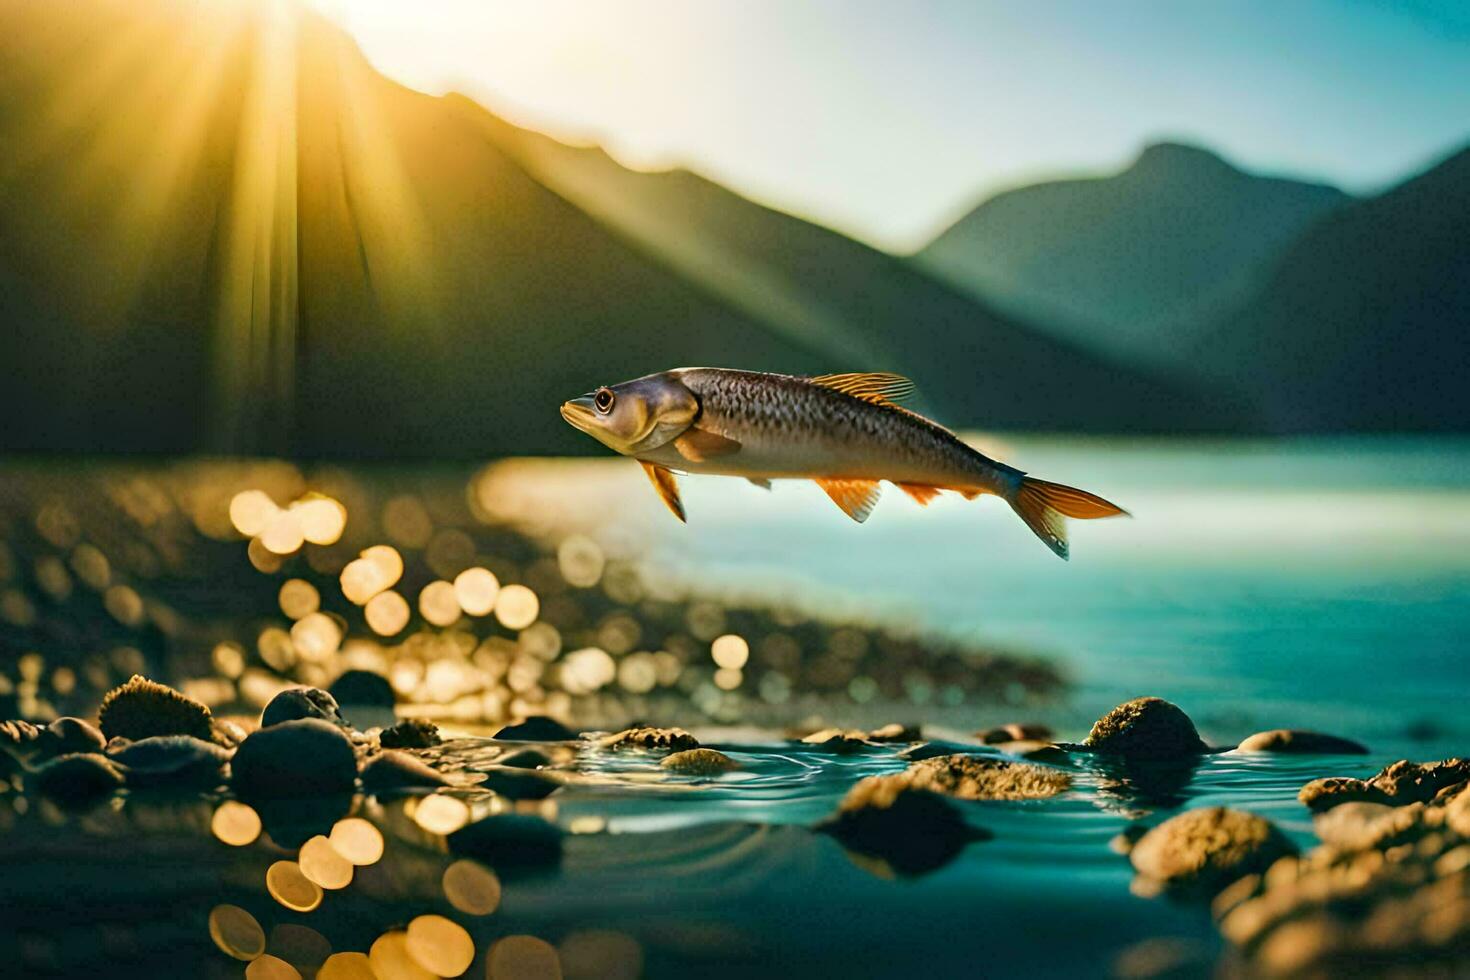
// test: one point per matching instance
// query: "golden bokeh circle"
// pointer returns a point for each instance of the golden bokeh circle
(439, 814)
(236, 932)
(236, 824)
(357, 840)
(347, 966)
(471, 887)
(516, 607)
(523, 958)
(390, 958)
(438, 603)
(440, 945)
(268, 967)
(476, 589)
(289, 886)
(298, 598)
(387, 613)
(321, 863)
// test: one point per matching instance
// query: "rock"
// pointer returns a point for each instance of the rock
(674, 739)
(971, 777)
(699, 762)
(363, 688)
(1360, 826)
(520, 784)
(79, 779)
(142, 709)
(510, 841)
(173, 761)
(302, 758)
(1145, 728)
(1289, 740)
(67, 735)
(525, 759)
(411, 733)
(1397, 784)
(1201, 851)
(22, 739)
(896, 733)
(395, 772)
(301, 702)
(1016, 732)
(843, 741)
(1038, 751)
(908, 830)
(230, 733)
(536, 728)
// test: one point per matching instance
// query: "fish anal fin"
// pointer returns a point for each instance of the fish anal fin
(698, 445)
(878, 387)
(922, 492)
(857, 498)
(663, 481)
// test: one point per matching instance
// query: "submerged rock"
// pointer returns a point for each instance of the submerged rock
(393, 771)
(1016, 732)
(79, 779)
(1039, 751)
(173, 761)
(699, 762)
(301, 758)
(908, 830)
(301, 702)
(410, 733)
(536, 728)
(526, 759)
(971, 777)
(896, 733)
(142, 709)
(520, 784)
(673, 739)
(1145, 728)
(1201, 851)
(1397, 784)
(1288, 740)
(510, 841)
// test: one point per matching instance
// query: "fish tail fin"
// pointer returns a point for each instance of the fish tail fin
(1045, 508)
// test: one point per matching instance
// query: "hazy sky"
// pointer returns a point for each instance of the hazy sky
(889, 119)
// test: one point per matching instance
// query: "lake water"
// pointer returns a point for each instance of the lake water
(1316, 585)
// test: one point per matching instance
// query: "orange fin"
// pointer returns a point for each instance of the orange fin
(1045, 508)
(857, 498)
(922, 492)
(879, 387)
(698, 445)
(668, 488)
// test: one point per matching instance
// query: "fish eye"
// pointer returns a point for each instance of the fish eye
(603, 400)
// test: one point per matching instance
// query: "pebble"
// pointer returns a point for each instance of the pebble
(699, 762)
(536, 728)
(1396, 784)
(1288, 740)
(173, 761)
(972, 777)
(843, 741)
(1145, 728)
(302, 758)
(301, 702)
(673, 739)
(1203, 850)
(520, 784)
(66, 735)
(79, 779)
(904, 829)
(411, 733)
(1016, 732)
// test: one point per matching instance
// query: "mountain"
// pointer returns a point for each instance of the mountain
(1132, 264)
(221, 229)
(1364, 323)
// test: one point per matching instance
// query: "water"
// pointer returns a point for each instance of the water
(1319, 585)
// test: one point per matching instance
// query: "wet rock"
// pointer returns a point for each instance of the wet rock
(1359, 826)
(22, 739)
(67, 735)
(411, 733)
(1016, 732)
(229, 733)
(672, 739)
(142, 709)
(299, 758)
(1397, 784)
(525, 759)
(1141, 785)
(301, 702)
(79, 779)
(932, 750)
(1201, 851)
(1145, 728)
(1037, 751)
(1124, 841)
(843, 741)
(896, 733)
(1287, 740)
(520, 784)
(973, 777)
(396, 772)
(536, 728)
(909, 830)
(510, 841)
(363, 688)
(172, 761)
(699, 762)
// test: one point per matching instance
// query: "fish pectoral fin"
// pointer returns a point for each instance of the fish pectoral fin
(760, 481)
(922, 492)
(857, 498)
(663, 481)
(698, 445)
(878, 387)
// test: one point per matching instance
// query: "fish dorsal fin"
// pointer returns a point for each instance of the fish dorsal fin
(922, 492)
(663, 481)
(857, 498)
(878, 387)
(698, 445)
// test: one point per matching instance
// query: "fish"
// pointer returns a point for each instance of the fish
(847, 432)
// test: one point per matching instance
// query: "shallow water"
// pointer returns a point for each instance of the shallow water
(1316, 585)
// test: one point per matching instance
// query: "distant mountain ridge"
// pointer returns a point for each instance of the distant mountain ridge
(226, 231)
(1130, 264)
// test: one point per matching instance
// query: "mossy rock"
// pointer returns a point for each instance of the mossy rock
(143, 709)
(1145, 728)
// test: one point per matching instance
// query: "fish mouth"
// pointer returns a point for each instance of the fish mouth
(579, 412)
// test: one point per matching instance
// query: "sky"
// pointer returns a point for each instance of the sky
(889, 120)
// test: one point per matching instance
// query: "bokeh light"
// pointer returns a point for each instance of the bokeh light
(471, 887)
(322, 519)
(438, 603)
(357, 840)
(289, 886)
(268, 967)
(298, 598)
(523, 958)
(730, 651)
(387, 613)
(347, 966)
(439, 814)
(581, 561)
(321, 863)
(517, 607)
(440, 945)
(600, 954)
(476, 589)
(251, 511)
(390, 958)
(234, 823)
(236, 932)
(316, 637)
(282, 534)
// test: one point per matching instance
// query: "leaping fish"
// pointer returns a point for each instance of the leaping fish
(848, 432)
